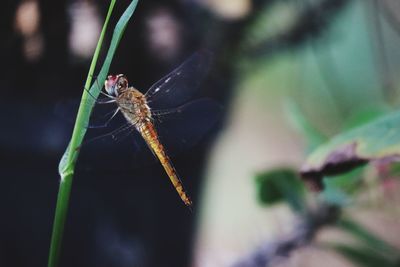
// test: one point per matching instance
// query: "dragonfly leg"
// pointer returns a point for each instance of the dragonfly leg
(107, 95)
(101, 101)
(112, 134)
(106, 123)
(105, 101)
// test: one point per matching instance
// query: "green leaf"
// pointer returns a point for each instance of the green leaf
(364, 116)
(68, 160)
(280, 185)
(394, 170)
(375, 141)
(338, 189)
(313, 137)
(367, 237)
(335, 196)
(364, 257)
(349, 181)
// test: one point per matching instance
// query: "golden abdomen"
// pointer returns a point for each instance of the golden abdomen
(150, 136)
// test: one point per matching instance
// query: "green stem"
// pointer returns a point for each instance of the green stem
(71, 156)
(59, 220)
(67, 164)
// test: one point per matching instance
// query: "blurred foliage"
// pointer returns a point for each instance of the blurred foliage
(378, 140)
(394, 169)
(339, 104)
(280, 185)
(299, 121)
(369, 239)
(365, 257)
(338, 189)
(364, 116)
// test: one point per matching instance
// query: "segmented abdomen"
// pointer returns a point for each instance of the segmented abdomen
(150, 135)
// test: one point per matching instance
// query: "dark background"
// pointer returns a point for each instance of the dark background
(119, 215)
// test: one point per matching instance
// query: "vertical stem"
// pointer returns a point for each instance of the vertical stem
(67, 171)
(59, 220)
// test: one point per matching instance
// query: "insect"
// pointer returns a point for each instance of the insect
(141, 110)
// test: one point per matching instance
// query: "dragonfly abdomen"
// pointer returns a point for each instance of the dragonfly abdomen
(150, 135)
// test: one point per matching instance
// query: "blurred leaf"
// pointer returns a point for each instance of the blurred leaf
(394, 169)
(338, 189)
(348, 182)
(364, 116)
(375, 141)
(366, 236)
(280, 185)
(335, 196)
(313, 137)
(365, 257)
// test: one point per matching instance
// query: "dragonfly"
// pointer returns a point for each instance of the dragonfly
(167, 97)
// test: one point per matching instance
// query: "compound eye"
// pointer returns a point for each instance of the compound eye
(110, 85)
(122, 83)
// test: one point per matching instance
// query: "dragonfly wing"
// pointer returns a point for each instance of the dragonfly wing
(181, 128)
(178, 129)
(107, 136)
(178, 86)
(101, 113)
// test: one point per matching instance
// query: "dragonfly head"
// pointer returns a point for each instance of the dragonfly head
(116, 84)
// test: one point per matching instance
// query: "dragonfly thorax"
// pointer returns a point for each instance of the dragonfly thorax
(133, 106)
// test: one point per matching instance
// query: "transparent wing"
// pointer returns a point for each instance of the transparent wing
(177, 87)
(178, 129)
(183, 127)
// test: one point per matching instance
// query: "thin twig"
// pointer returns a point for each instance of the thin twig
(272, 253)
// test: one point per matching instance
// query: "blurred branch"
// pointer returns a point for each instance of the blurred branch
(274, 252)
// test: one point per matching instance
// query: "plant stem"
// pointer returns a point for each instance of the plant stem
(71, 156)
